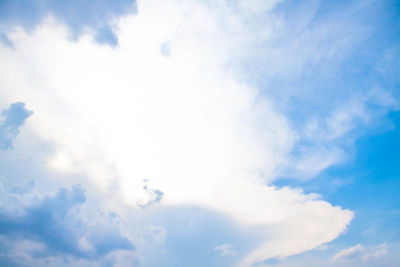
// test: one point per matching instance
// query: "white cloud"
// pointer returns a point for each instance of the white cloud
(184, 122)
(359, 252)
(325, 141)
(350, 253)
(226, 249)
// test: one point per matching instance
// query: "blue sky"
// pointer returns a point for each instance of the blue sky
(199, 133)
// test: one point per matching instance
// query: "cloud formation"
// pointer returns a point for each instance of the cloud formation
(154, 196)
(359, 252)
(175, 103)
(54, 226)
(201, 136)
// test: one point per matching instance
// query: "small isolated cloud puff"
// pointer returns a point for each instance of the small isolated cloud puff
(11, 120)
(226, 249)
(80, 16)
(165, 49)
(350, 253)
(153, 196)
(359, 252)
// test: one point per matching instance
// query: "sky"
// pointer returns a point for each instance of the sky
(199, 133)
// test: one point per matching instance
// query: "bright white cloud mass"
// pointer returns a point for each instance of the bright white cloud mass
(181, 113)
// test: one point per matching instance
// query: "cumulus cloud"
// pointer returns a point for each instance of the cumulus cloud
(173, 105)
(11, 120)
(201, 136)
(226, 249)
(53, 226)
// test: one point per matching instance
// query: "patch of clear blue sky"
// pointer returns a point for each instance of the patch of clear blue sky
(76, 14)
